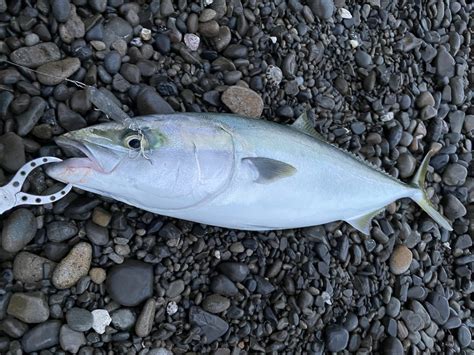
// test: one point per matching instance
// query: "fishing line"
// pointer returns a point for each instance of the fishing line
(101, 102)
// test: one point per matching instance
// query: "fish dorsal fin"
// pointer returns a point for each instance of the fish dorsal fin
(362, 223)
(303, 124)
(269, 170)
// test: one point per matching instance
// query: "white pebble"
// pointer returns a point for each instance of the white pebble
(192, 41)
(354, 43)
(345, 13)
(208, 2)
(217, 254)
(273, 39)
(145, 34)
(171, 308)
(100, 320)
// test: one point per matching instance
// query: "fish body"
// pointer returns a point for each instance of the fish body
(234, 172)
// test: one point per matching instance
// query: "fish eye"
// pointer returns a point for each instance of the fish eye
(133, 141)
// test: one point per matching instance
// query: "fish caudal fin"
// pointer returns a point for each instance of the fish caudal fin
(421, 197)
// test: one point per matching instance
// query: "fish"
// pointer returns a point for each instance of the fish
(233, 172)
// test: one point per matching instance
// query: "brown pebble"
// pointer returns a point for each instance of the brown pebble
(400, 260)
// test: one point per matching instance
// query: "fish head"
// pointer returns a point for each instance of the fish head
(160, 163)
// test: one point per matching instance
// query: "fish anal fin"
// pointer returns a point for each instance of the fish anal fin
(269, 170)
(363, 223)
(303, 124)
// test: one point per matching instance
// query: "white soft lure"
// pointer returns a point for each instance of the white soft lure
(234, 172)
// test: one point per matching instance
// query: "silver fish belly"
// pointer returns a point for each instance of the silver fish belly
(234, 172)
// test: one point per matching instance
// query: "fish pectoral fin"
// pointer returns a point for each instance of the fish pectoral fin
(269, 170)
(362, 223)
(303, 124)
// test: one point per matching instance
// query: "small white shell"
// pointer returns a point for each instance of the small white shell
(274, 75)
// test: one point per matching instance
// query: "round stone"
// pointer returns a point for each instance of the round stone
(79, 319)
(243, 101)
(400, 259)
(97, 275)
(130, 283)
(337, 338)
(19, 228)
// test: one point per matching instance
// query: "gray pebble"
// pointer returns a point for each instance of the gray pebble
(453, 208)
(455, 175)
(393, 346)
(29, 307)
(222, 285)
(145, 320)
(28, 267)
(33, 57)
(28, 119)
(363, 59)
(336, 338)
(71, 340)
(112, 62)
(322, 9)
(43, 336)
(212, 327)
(59, 231)
(445, 64)
(464, 336)
(130, 283)
(13, 156)
(215, 303)
(123, 319)
(79, 319)
(175, 288)
(19, 229)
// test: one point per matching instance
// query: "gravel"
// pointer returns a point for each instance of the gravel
(386, 81)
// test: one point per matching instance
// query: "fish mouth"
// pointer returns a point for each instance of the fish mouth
(79, 155)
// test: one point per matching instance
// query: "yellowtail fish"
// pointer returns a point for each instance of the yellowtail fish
(235, 172)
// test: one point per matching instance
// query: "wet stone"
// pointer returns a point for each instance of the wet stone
(130, 283)
(445, 64)
(79, 319)
(215, 303)
(237, 272)
(59, 231)
(71, 340)
(29, 307)
(336, 338)
(175, 288)
(61, 9)
(34, 56)
(323, 9)
(145, 320)
(437, 307)
(222, 285)
(123, 319)
(393, 346)
(212, 327)
(13, 156)
(28, 119)
(43, 336)
(454, 175)
(53, 73)
(28, 267)
(19, 229)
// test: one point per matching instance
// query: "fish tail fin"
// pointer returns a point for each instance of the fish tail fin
(421, 197)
